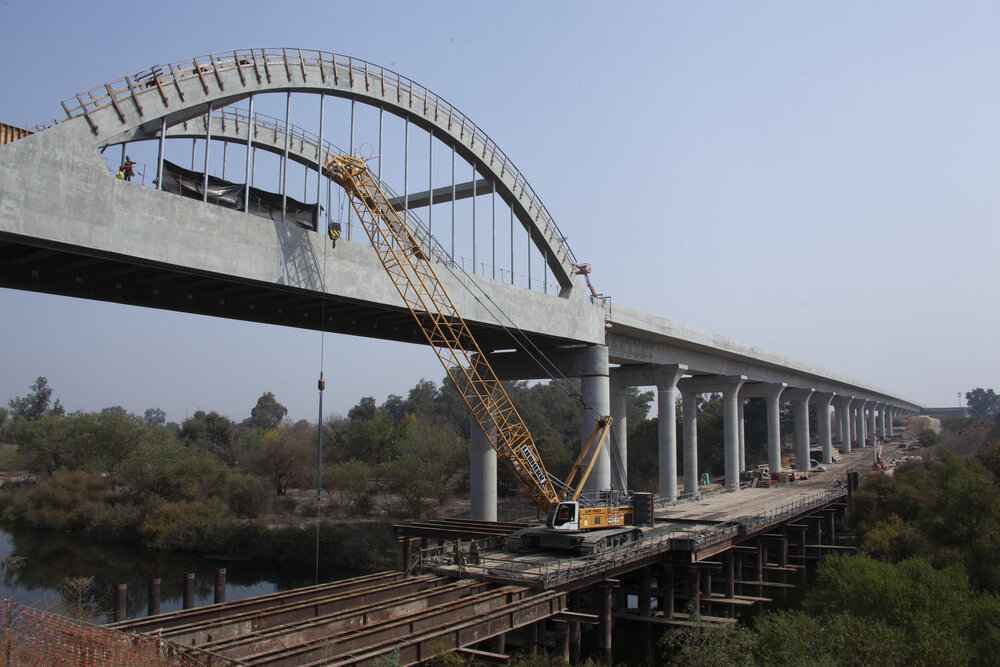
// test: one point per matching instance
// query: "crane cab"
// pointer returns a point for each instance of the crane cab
(564, 515)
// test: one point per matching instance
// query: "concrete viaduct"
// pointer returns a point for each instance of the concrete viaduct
(80, 231)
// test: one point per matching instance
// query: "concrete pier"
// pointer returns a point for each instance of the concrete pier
(822, 402)
(799, 398)
(482, 473)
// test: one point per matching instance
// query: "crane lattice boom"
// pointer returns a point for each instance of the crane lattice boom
(411, 272)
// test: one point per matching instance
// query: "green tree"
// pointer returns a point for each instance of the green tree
(284, 456)
(116, 435)
(268, 413)
(4, 424)
(369, 440)
(982, 402)
(395, 407)
(364, 410)
(50, 443)
(352, 482)
(36, 404)
(212, 432)
(643, 455)
(637, 405)
(155, 417)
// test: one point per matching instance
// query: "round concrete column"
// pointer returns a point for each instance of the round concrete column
(690, 417)
(859, 424)
(823, 435)
(482, 473)
(774, 433)
(800, 405)
(743, 439)
(871, 421)
(666, 412)
(853, 418)
(619, 435)
(802, 433)
(843, 406)
(769, 391)
(596, 394)
(731, 431)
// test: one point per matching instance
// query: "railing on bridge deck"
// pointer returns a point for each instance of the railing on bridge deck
(476, 561)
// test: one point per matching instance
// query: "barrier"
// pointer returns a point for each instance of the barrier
(31, 637)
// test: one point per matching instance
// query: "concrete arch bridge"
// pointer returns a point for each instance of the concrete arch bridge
(229, 118)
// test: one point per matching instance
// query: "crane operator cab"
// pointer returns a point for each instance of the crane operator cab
(564, 516)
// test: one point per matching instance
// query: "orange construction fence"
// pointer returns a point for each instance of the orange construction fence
(31, 637)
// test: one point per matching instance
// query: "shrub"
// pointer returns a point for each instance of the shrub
(183, 525)
(929, 437)
(61, 501)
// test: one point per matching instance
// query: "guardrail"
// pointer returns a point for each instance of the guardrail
(273, 62)
(475, 561)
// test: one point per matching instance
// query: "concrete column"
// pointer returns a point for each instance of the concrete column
(666, 412)
(596, 394)
(729, 385)
(890, 413)
(665, 378)
(743, 438)
(822, 402)
(842, 404)
(690, 434)
(731, 436)
(859, 424)
(854, 422)
(482, 473)
(800, 403)
(619, 434)
(770, 392)
(878, 421)
(870, 422)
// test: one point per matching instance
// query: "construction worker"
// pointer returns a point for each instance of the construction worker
(128, 168)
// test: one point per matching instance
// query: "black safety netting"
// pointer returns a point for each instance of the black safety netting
(191, 184)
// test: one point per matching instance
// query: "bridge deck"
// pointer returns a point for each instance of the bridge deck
(690, 531)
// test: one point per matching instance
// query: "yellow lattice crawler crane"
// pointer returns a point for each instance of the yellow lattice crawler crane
(571, 513)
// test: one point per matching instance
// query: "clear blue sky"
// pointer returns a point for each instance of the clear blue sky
(815, 178)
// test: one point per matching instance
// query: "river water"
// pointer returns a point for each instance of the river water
(52, 557)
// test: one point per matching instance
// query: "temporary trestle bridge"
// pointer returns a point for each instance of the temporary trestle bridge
(463, 592)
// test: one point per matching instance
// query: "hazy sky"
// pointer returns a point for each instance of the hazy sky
(815, 178)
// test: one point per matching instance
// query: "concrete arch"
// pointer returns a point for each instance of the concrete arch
(133, 109)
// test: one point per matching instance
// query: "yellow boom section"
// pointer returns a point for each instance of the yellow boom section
(446, 331)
